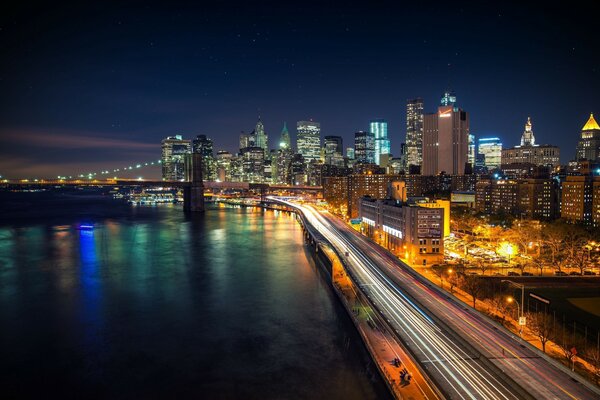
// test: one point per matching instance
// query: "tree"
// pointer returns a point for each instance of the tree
(483, 265)
(472, 285)
(592, 355)
(542, 325)
(438, 270)
(453, 280)
(499, 303)
(568, 342)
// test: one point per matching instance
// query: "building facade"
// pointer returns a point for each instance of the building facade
(527, 198)
(589, 145)
(204, 145)
(379, 128)
(445, 141)
(580, 199)
(284, 140)
(173, 152)
(309, 140)
(364, 147)
(410, 230)
(530, 153)
(414, 132)
(261, 138)
(491, 148)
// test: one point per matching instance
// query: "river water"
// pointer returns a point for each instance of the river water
(152, 303)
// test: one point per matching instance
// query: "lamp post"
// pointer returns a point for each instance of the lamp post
(522, 310)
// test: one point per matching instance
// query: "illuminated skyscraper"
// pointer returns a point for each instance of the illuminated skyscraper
(350, 153)
(364, 147)
(246, 140)
(204, 145)
(224, 166)
(492, 149)
(472, 151)
(261, 138)
(334, 153)
(589, 145)
(445, 141)
(379, 128)
(414, 132)
(309, 140)
(173, 151)
(284, 141)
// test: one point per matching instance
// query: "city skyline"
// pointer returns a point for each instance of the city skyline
(72, 87)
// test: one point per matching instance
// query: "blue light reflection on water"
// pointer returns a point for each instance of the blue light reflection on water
(90, 287)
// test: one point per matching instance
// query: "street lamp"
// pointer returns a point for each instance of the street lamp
(521, 308)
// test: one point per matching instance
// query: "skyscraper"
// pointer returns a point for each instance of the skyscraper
(350, 153)
(246, 140)
(334, 153)
(492, 149)
(589, 145)
(203, 145)
(261, 138)
(379, 128)
(445, 141)
(472, 150)
(224, 166)
(309, 140)
(414, 132)
(284, 141)
(173, 151)
(364, 147)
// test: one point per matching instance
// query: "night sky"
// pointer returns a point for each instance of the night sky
(88, 87)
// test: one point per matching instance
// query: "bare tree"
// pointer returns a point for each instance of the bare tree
(568, 342)
(483, 265)
(542, 324)
(473, 287)
(592, 355)
(499, 303)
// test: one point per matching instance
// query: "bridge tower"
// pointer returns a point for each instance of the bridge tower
(193, 195)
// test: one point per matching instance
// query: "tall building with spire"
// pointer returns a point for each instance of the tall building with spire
(589, 145)
(527, 138)
(414, 132)
(261, 138)
(530, 153)
(284, 141)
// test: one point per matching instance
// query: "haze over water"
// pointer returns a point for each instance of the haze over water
(154, 304)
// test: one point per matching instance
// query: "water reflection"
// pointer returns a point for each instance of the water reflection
(159, 304)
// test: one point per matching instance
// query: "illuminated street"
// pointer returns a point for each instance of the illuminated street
(466, 354)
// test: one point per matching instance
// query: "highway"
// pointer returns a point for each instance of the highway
(465, 354)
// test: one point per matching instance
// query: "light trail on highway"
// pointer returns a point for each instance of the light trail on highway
(463, 352)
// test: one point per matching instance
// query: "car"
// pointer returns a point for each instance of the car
(589, 273)
(560, 273)
(513, 273)
(527, 274)
(575, 273)
(498, 274)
